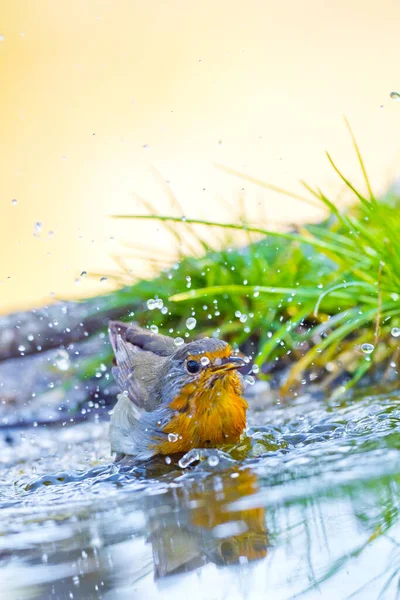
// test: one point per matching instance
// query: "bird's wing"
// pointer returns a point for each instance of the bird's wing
(162, 345)
(136, 363)
(135, 432)
(137, 419)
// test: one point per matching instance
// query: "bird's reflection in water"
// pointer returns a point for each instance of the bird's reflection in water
(195, 524)
(188, 517)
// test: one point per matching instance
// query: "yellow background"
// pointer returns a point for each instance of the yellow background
(95, 92)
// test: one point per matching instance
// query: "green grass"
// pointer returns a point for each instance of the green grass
(311, 298)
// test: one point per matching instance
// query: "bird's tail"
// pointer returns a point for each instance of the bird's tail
(124, 353)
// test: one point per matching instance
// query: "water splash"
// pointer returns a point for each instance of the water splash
(191, 323)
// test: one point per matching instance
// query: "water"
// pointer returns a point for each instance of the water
(308, 506)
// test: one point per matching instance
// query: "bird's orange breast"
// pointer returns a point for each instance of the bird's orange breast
(208, 413)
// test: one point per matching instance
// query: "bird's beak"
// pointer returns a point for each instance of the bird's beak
(228, 364)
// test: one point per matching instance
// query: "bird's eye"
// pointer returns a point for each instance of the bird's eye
(193, 366)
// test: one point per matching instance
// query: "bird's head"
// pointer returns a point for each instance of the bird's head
(198, 367)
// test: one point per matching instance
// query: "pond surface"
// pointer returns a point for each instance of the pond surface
(310, 509)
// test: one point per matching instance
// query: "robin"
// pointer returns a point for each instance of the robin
(173, 397)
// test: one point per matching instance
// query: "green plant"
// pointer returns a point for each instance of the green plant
(327, 294)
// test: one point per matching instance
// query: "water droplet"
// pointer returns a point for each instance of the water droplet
(62, 361)
(37, 229)
(102, 279)
(238, 314)
(145, 146)
(164, 310)
(395, 96)
(213, 460)
(1, 38)
(191, 323)
(395, 332)
(83, 274)
(154, 303)
(21, 348)
(172, 437)
(257, 449)
(249, 379)
(204, 361)
(367, 348)
(256, 369)
(154, 328)
(178, 341)
(14, 201)
(189, 458)
(168, 460)
(243, 318)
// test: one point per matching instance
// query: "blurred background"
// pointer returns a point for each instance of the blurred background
(102, 100)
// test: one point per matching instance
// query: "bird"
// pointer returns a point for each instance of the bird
(173, 398)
